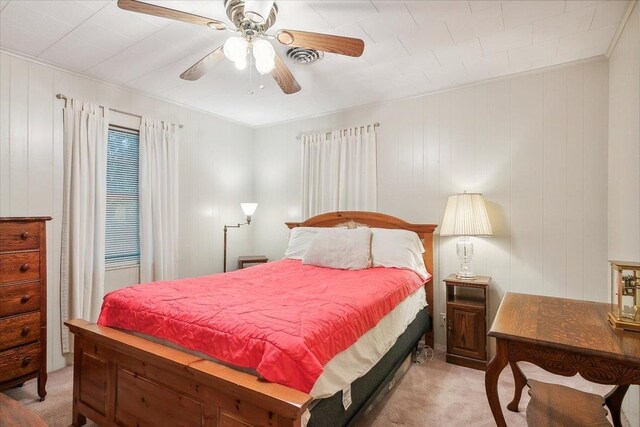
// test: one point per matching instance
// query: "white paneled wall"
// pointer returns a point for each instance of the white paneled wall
(535, 145)
(624, 158)
(215, 170)
(624, 143)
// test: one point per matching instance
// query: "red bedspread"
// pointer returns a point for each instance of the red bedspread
(283, 319)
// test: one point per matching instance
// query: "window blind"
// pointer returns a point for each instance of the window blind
(122, 240)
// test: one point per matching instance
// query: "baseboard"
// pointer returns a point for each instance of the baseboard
(467, 362)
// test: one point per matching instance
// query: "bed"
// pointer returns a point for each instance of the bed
(122, 378)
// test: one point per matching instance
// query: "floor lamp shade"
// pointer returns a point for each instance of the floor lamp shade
(248, 208)
(465, 215)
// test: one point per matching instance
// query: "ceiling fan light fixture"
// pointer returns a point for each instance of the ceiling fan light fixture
(241, 63)
(235, 49)
(257, 11)
(265, 65)
(264, 55)
(263, 49)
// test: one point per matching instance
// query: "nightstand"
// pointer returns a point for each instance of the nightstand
(249, 260)
(467, 311)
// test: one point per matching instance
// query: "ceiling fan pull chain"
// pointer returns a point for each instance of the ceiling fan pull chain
(250, 70)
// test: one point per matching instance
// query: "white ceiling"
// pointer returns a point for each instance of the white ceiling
(411, 47)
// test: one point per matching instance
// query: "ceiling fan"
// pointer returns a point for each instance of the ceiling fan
(252, 19)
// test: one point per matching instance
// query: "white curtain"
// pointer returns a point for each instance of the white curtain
(84, 213)
(158, 201)
(339, 173)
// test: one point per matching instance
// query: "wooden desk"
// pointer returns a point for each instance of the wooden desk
(565, 337)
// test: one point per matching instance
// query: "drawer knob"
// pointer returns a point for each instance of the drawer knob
(25, 235)
(25, 331)
(26, 361)
(25, 299)
(25, 267)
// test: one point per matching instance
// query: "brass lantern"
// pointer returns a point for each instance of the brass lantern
(625, 295)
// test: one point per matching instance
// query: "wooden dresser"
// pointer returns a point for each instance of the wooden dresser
(23, 302)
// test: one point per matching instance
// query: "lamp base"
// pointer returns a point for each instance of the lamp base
(464, 248)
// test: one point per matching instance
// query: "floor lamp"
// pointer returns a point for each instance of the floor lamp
(248, 209)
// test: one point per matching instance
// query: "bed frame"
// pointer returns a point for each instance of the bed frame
(123, 380)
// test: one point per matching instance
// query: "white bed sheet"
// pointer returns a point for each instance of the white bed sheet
(352, 363)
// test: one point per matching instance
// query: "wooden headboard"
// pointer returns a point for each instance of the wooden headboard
(378, 220)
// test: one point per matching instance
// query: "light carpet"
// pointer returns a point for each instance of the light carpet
(433, 393)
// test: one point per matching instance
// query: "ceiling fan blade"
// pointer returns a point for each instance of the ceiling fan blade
(324, 42)
(284, 78)
(165, 12)
(203, 66)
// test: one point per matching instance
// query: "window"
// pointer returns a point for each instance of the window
(122, 240)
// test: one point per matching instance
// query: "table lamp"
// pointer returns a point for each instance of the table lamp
(465, 216)
(248, 209)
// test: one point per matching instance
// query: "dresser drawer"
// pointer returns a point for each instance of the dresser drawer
(19, 330)
(18, 235)
(20, 266)
(19, 361)
(16, 299)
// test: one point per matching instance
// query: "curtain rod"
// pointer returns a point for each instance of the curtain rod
(300, 135)
(61, 96)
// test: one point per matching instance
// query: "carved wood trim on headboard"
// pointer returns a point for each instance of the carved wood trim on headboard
(379, 220)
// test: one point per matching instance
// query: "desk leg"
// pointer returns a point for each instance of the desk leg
(491, 376)
(520, 381)
(613, 400)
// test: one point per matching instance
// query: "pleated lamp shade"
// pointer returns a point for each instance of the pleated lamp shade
(466, 215)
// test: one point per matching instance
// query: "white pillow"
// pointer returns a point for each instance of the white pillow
(340, 248)
(299, 240)
(398, 249)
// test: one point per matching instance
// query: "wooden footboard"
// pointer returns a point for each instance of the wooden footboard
(123, 380)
